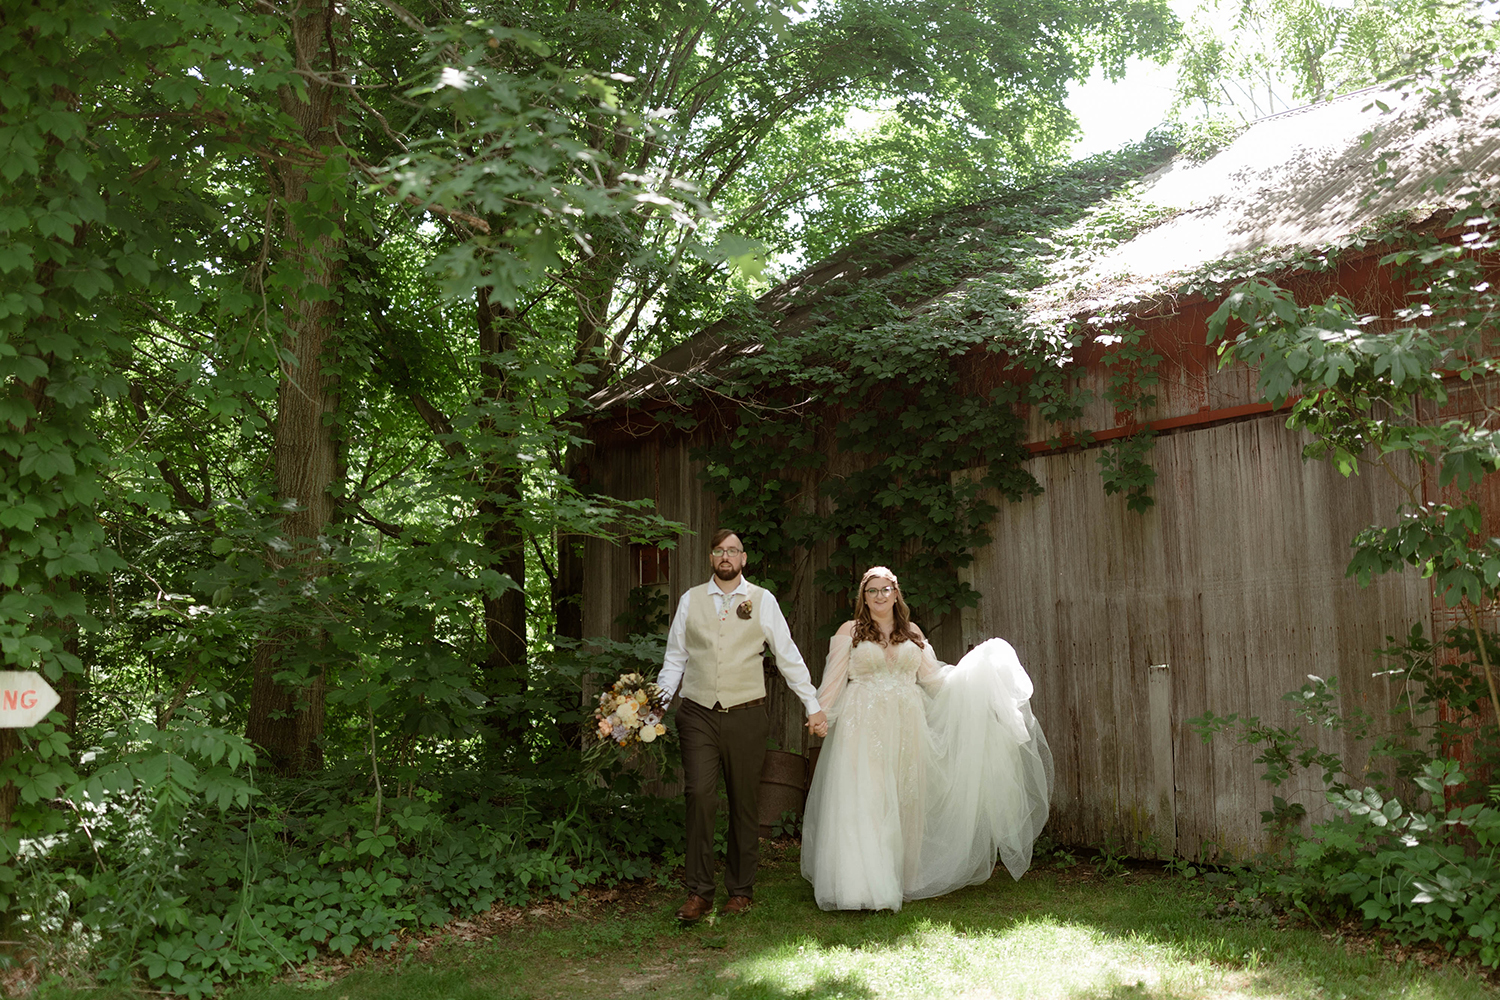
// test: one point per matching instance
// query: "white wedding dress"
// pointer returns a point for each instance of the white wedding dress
(928, 774)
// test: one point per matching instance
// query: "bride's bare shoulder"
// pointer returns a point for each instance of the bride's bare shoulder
(846, 629)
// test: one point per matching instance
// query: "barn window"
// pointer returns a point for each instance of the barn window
(651, 565)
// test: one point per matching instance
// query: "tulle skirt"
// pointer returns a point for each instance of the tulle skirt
(916, 794)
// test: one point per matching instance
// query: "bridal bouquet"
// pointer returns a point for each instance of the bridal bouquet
(628, 718)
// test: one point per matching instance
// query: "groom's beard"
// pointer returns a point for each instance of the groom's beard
(726, 574)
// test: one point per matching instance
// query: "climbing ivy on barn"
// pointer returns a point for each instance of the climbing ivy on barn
(876, 375)
(1129, 387)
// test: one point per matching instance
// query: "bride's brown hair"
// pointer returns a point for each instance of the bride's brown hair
(865, 629)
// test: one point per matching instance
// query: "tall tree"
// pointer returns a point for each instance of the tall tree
(310, 184)
(750, 114)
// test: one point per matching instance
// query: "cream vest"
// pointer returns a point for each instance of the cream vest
(724, 657)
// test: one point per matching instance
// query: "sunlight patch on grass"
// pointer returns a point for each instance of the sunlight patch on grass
(1037, 959)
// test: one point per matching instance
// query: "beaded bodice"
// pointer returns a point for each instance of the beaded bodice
(869, 661)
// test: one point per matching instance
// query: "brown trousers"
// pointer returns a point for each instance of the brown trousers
(734, 742)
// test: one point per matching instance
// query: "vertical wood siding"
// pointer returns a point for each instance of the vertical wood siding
(1223, 597)
(1232, 588)
(659, 467)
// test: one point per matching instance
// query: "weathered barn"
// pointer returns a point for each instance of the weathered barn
(1222, 596)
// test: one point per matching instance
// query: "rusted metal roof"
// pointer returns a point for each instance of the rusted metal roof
(1296, 181)
(1299, 180)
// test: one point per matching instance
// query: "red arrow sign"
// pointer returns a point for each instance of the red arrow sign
(25, 698)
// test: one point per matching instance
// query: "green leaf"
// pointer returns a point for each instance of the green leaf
(73, 165)
(15, 256)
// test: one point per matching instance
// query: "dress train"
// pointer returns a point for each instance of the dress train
(929, 773)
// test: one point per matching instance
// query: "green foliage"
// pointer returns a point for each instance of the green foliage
(876, 376)
(1109, 858)
(788, 824)
(1124, 469)
(1440, 540)
(1278, 54)
(193, 875)
(1284, 749)
(84, 239)
(147, 290)
(1182, 867)
(1130, 389)
(516, 159)
(1428, 876)
(1048, 851)
(1202, 138)
(755, 112)
(1133, 377)
(1422, 875)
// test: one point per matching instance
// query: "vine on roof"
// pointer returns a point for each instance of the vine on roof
(877, 380)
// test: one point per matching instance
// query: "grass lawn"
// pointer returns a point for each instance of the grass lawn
(1055, 934)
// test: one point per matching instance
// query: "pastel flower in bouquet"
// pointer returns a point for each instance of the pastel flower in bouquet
(629, 715)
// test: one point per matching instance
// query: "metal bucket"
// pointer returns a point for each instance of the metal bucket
(783, 787)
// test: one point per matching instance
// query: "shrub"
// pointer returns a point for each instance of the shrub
(1424, 874)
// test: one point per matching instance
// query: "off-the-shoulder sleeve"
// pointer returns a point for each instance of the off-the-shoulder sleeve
(835, 672)
(931, 671)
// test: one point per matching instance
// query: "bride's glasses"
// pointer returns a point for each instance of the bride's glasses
(874, 592)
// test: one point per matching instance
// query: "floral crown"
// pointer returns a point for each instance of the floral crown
(879, 571)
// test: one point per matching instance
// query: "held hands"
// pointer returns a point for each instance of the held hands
(817, 724)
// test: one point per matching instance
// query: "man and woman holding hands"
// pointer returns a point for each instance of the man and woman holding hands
(929, 772)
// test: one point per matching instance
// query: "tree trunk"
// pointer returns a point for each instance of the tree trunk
(504, 616)
(567, 611)
(71, 685)
(567, 593)
(10, 745)
(286, 713)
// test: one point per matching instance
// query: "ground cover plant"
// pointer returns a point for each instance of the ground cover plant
(1059, 932)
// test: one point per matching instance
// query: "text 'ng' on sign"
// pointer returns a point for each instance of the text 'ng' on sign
(25, 698)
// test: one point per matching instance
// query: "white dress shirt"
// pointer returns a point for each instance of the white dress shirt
(772, 625)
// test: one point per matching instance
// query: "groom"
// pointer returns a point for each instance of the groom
(714, 650)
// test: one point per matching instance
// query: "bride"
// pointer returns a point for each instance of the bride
(929, 772)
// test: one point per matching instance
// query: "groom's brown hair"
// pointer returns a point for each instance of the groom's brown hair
(719, 537)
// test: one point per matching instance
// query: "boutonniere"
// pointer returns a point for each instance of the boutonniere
(745, 609)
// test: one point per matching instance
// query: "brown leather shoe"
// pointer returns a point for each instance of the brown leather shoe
(694, 909)
(738, 904)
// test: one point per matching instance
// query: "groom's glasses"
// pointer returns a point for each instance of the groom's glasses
(874, 592)
(721, 553)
